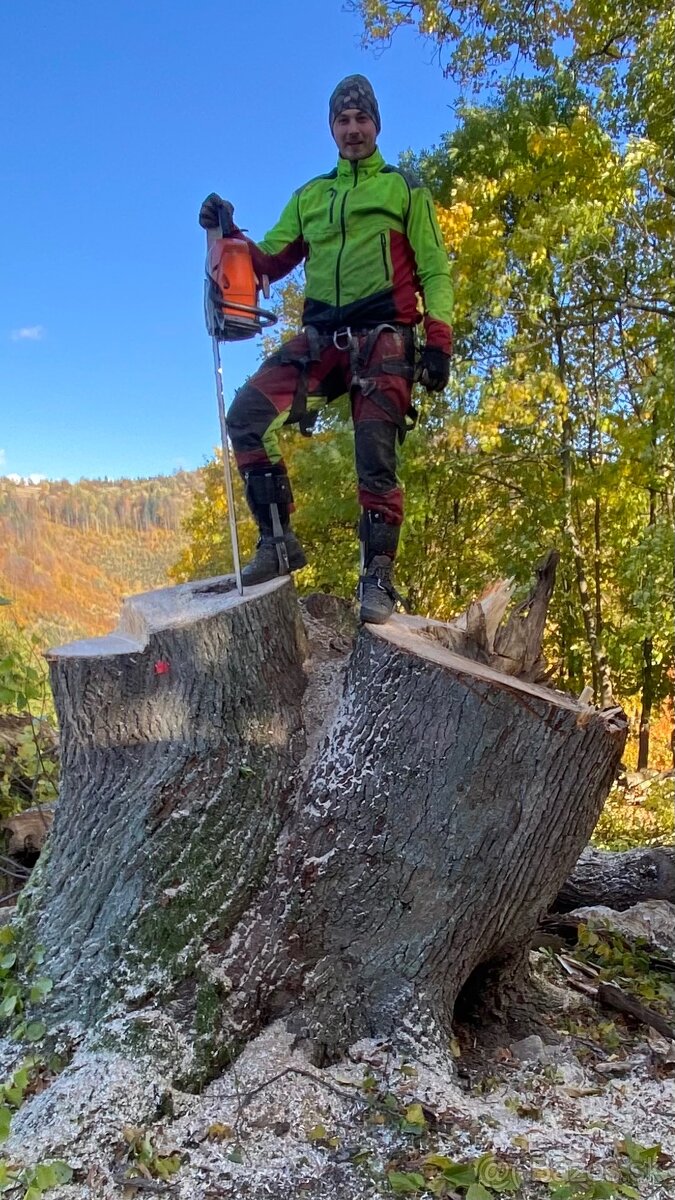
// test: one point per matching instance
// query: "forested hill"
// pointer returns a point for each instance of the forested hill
(70, 552)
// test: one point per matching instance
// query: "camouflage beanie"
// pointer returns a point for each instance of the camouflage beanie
(354, 91)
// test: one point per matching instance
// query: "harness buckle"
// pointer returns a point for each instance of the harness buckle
(343, 333)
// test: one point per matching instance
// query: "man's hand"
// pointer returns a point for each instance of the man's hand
(212, 209)
(434, 369)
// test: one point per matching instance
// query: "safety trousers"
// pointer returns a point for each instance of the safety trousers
(375, 367)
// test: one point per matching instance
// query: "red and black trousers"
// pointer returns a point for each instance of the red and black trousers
(375, 367)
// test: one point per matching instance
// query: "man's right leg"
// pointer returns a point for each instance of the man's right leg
(258, 412)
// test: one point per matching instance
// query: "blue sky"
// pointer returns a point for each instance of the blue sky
(118, 120)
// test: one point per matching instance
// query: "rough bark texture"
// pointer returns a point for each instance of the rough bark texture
(619, 880)
(441, 854)
(180, 738)
(203, 877)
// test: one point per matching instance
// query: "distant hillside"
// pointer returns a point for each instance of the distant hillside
(70, 552)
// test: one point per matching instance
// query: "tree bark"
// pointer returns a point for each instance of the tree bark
(619, 880)
(237, 840)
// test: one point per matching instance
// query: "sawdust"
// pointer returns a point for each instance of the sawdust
(274, 1126)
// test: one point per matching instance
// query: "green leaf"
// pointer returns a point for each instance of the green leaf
(8, 1006)
(44, 1176)
(496, 1175)
(5, 1121)
(35, 1031)
(403, 1183)
(438, 1186)
(40, 989)
(440, 1161)
(478, 1192)
(461, 1174)
(62, 1172)
(640, 1155)
(7, 961)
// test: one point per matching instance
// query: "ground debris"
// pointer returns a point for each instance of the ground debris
(273, 1126)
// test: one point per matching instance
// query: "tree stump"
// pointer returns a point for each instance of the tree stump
(238, 839)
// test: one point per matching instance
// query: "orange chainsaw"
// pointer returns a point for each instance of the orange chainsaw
(232, 314)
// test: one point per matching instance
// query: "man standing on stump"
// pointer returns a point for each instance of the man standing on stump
(372, 250)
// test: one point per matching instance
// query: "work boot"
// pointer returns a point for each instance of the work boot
(269, 497)
(377, 592)
(265, 563)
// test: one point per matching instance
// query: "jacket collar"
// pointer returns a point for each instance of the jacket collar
(362, 168)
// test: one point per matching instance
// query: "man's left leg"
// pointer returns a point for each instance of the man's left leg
(379, 423)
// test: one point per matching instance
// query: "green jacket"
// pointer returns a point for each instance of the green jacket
(371, 245)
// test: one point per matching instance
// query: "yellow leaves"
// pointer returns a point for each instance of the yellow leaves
(455, 223)
(218, 1132)
(531, 402)
(414, 1115)
(536, 143)
(319, 1135)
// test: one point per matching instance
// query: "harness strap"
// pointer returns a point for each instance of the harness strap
(298, 412)
(362, 377)
(385, 585)
(365, 379)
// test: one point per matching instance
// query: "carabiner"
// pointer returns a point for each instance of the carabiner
(340, 333)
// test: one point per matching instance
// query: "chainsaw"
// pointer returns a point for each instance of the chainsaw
(232, 314)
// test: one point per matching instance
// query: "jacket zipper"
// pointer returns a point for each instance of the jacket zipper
(333, 193)
(383, 243)
(343, 229)
(431, 222)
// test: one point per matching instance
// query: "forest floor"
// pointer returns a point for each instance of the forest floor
(584, 1112)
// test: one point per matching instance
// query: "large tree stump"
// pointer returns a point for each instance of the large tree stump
(216, 862)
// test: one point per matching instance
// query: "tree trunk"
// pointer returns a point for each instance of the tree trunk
(646, 705)
(219, 859)
(619, 880)
(648, 645)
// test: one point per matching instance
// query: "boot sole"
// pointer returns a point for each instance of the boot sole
(369, 617)
(295, 564)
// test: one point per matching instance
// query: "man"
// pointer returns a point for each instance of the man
(372, 249)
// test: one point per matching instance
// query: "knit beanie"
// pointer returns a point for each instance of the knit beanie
(354, 91)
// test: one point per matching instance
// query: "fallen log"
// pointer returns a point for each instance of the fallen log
(619, 880)
(238, 840)
(27, 831)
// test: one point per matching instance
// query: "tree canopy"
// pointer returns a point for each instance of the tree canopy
(554, 195)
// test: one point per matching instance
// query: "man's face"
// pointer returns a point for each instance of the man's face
(355, 134)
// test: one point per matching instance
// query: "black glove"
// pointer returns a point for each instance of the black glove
(434, 369)
(213, 210)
